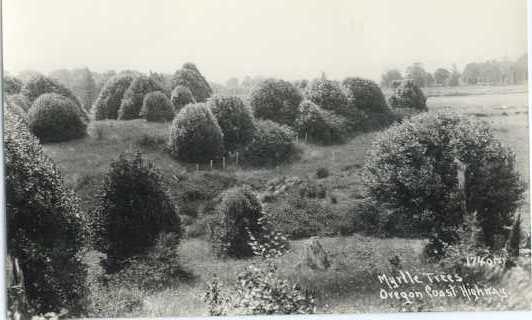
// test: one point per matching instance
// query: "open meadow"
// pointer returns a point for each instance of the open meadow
(350, 285)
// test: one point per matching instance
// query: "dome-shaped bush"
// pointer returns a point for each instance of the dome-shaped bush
(328, 95)
(272, 144)
(110, 97)
(39, 84)
(239, 212)
(318, 125)
(195, 135)
(181, 96)
(53, 118)
(365, 95)
(157, 107)
(134, 97)
(44, 222)
(20, 100)
(133, 210)
(11, 85)
(190, 77)
(235, 119)
(275, 100)
(412, 174)
(408, 95)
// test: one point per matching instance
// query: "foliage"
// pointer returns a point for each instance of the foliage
(411, 172)
(416, 73)
(133, 209)
(442, 76)
(11, 85)
(408, 95)
(190, 77)
(39, 84)
(275, 100)
(390, 76)
(157, 107)
(328, 95)
(235, 119)
(514, 240)
(318, 125)
(258, 291)
(322, 173)
(239, 212)
(53, 118)
(268, 243)
(195, 135)
(365, 95)
(20, 101)
(271, 145)
(45, 223)
(131, 104)
(81, 82)
(110, 97)
(181, 96)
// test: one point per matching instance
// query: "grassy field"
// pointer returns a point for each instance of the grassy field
(350, 285)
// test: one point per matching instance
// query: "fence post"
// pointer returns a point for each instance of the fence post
(197, 166)
(305, 137)
(211, 164)
(223, 163)
(237, 158)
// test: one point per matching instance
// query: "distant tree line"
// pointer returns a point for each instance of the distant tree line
(492, 72)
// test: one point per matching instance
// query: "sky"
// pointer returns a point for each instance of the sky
(292, 40)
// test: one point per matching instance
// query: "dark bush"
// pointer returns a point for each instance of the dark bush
(190, 77)
(157, 107)
(235, 119)
(328, 95)
(412, 173)
(272, 144)
(239, 213)
(54, 118)
(39, 84)
(275, 100)
(11, 85)
(408, 95)
(365, 95)
(45, 229)
(131, 104)
(195, 135)
(322, 173)
(110, 97)
(318, 125)
(20, 100)
(133, 209)
(181, 96)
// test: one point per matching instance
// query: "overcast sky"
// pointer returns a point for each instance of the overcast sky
(287, 39)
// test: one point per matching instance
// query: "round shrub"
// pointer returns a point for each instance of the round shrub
(131, 104)
(195, 135)
(19, 100)
(239, 212)
(271, 145)
(181, 96)
(411, 174)
(132, 211)
(275, 100)
(365, 95)
(110, 97)
(235, 119)
(157, 107)
(318, 125)
(190, 77)
(11, 85)
(54, 118)
(39, 84)
(328, 95)
(44, 221)
(408, 95)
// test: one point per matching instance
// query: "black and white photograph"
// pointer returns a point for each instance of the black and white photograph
(206, 158)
